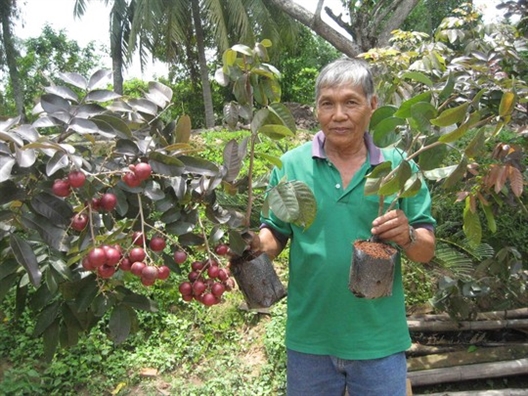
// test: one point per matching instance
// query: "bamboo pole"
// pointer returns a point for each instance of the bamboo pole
(468, 372)
(420, 325)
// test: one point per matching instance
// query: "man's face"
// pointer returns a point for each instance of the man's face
(344, 114)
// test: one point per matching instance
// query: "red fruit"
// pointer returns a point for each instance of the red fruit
(142, 170)
(106, 271)
(137, 254)
(131, 180)
(125, 264)
(76, 178)
(87, 265)
(213, 271)
(97, 257)
(187, 297)
(149, 273)
(185, 289)
(222, 274)
(108, 201)
(197, 266)
(79, 221)
(61, 188)
(137, 268)
(163, 272)
(180, 256)
(209, 299)
(193, 275)
(138, 238)
(96, 203)
(221, 249)
(218, 289)
(198, 287)
(113, 256)
(157, 244)
(147, 282)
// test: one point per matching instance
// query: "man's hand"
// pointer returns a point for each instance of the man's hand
(393, 226)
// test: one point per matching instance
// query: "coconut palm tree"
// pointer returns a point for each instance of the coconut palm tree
(9, 53)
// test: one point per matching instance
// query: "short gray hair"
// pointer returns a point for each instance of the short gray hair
(346, 71)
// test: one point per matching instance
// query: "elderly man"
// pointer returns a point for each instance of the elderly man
(335, 340)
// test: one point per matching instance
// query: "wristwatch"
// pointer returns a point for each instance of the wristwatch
(412, 236)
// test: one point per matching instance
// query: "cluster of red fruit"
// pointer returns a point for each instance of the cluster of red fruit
(138, 173)
(207, 280)
(106, 260)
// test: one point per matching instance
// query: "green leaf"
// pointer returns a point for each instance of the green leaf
(451, 116)
(46, 317)
(25, 256)
(243, 49)
(232, 160)
(50, 338)
(120, 323)
(141, 302)
(6, 283)
(461, 130)
(121, 129)
(200, 166)
(52, 103)
(490, 218)
(9, 191)
(284, 115)
(52, 208)
(471, 226)
(259, 120)
(417, 76)
(396, 183)
(8, 266)
(183, 129)
(507, 104)
(229, 57)
(270, 158)
(448, 88)
(6, 166)
(276, 132)
(422, 113)
(476, 145)
(380, 114)
(412, 186)
(433, 157)
(293, 202)
(405, 109)
(457, 175)
(54, 236)
(440, 173)
(74, 79)
(59, 161)
(87, 295)
(384, 133)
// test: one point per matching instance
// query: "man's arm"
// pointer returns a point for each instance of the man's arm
(269, 244)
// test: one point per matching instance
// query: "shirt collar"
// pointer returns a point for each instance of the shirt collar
(375, 154)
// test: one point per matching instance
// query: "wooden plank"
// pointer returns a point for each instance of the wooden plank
(468, 372)
(459, 358)
(419, 325)
(495, 315)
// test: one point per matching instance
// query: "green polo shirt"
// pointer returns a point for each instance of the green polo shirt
(324, 317)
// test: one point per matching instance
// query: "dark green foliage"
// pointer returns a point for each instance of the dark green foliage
(43, 58)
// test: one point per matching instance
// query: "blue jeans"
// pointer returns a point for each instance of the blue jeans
(323, 375)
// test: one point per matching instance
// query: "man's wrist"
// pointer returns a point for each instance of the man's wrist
(412, 238)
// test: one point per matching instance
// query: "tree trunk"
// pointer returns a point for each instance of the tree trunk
(116, 50)
(6, 8)
(314, 22)
(204, 71)
(369, 28)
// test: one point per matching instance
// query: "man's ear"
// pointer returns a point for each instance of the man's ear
(374, 102)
